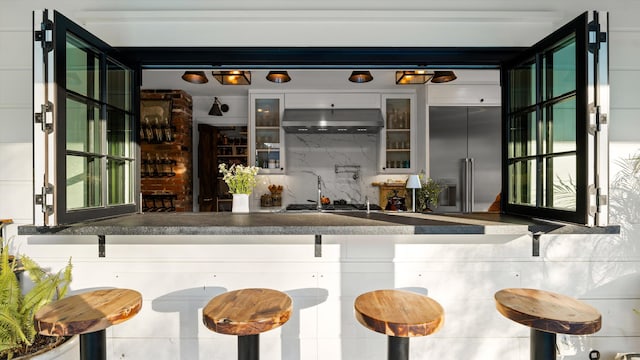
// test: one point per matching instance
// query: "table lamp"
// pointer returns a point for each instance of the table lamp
(413, 183)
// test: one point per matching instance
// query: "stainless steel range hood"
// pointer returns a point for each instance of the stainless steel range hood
(332, 121)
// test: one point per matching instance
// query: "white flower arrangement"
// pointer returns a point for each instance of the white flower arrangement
(240, 179)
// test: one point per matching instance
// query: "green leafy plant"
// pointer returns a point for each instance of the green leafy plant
(428, 194)
(18, 307)
(240, 179)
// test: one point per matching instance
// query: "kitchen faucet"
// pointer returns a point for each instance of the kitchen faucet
(319, 203)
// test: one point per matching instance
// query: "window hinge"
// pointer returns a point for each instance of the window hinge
(593, 200)
(600, 119)
(45, 35)
(45, 121)
(596, 37)
(601, 199)
(45, 199)
(596, 200)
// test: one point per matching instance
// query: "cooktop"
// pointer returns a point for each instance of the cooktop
(333, 207)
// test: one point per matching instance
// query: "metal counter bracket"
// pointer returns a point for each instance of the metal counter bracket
(318, 246)
(101, 246)
(535, 237)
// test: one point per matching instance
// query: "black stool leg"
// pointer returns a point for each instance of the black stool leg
(93, 346)
(543, 345)
(249, 347)
(398, 348)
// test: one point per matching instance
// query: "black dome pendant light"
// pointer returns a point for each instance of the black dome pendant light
(195, 77)
(360, 77)
(278, 77)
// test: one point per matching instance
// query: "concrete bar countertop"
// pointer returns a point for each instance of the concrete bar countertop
(322, 223)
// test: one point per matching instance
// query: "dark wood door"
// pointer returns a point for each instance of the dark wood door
(207, 167)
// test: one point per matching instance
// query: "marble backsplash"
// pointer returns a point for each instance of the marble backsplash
(311, 155)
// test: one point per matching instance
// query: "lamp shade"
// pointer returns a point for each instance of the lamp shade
(413, 182)
(443, 76)
(412, 77)
(233, 77)
(195, 77)
(278, 77)
(215, 108)
(360, 76)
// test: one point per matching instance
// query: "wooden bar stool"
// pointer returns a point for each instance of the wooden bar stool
(88, 314)
(400, 315)
(246, 313)
(547, 314)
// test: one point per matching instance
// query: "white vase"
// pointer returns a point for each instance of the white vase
(240, 203)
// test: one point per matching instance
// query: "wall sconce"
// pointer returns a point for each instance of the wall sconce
(421, 77)
(360, 76)
(218, 108)
(195, 77)
(233, 77)
(278, 77)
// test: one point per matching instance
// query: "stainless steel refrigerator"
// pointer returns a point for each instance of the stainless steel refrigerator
(465, 155)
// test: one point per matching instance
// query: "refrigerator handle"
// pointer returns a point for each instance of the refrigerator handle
(470, 182)
(467, 185)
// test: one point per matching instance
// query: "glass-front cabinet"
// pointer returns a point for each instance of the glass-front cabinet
(398, 137)
(267, 136)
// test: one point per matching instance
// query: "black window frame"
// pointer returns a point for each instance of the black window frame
(579, 27)
(62, 27)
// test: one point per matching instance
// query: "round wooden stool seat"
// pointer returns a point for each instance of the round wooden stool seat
(399, 313)
(547, 311)
(88, 312)
(547, 314)
(247, 311)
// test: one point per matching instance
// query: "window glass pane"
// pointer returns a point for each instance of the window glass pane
(523, 85)
(119, 133)
(560, 173)
(267, 131)
(83, 127)
(82, 68)
(560, 68)
(84, 188)
(118, 86)
(560, 126)
(120, 187)
(523, 137)
(522, 179)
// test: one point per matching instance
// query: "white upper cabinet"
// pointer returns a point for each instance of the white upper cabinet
(266, 135)
(398, 137)
(336, 100)
(453, 94)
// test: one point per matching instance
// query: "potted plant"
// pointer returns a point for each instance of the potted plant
(427, 195)
(241, 181)
(18, 337)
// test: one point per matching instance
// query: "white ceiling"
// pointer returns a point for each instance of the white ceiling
(314, 79)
